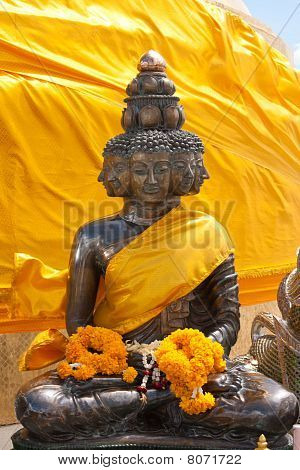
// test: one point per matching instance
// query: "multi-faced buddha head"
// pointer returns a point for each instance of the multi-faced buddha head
(152, 165)
(154, 160)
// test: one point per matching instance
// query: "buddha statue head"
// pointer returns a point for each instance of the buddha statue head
(115, 176)
(201, 174)
(183, 173)
(153, 160)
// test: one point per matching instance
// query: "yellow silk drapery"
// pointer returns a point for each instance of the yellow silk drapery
(48, 347)
(63, 72)
(166, 262)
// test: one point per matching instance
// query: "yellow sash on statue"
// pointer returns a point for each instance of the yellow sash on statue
(167, 261)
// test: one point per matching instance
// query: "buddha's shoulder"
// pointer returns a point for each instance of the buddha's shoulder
(98, 228)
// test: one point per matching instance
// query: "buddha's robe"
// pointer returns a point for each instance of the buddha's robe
(161, 265)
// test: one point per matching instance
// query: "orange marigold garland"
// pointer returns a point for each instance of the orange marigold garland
(187, 357)
(91, 351)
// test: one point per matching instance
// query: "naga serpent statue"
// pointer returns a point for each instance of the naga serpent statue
(164, 268)
(278, 353)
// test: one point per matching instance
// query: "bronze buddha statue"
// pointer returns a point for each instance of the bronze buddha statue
(151, 165)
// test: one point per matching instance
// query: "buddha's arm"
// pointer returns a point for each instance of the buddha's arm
(83, 282)
(216, 307)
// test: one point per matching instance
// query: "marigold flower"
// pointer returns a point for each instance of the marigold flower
(64, 370)
(200, 404)
(84, 372)
(129, 374)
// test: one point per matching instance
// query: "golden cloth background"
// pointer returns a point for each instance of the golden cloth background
(63, 72)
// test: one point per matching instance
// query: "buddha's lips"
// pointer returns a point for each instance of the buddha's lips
(115, 183)
(151, 189)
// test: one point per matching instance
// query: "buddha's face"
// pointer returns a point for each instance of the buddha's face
(201, 174)
(183, 173)
(150, 176)
(115, 176)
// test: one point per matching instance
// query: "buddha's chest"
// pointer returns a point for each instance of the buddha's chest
(173, 317)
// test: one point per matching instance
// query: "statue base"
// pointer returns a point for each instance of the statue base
(22, 440)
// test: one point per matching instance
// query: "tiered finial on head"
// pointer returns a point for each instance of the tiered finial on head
(150, 104)
(153, 118)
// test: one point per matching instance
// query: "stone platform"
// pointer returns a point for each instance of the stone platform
(23, 441)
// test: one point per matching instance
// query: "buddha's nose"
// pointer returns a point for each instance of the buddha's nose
(150, 177)
(205, 174)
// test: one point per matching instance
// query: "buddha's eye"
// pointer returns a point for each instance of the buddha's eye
(120, 168)
(139, 170)
(161, 168)
(179, 165)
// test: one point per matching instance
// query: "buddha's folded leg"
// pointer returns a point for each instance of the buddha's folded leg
(55, 409)
(247, 405)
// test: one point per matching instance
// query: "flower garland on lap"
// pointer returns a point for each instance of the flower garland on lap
(94, 350)
(187, 357)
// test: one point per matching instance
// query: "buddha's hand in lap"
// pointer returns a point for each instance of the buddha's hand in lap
(80, 387)
(223, 383)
